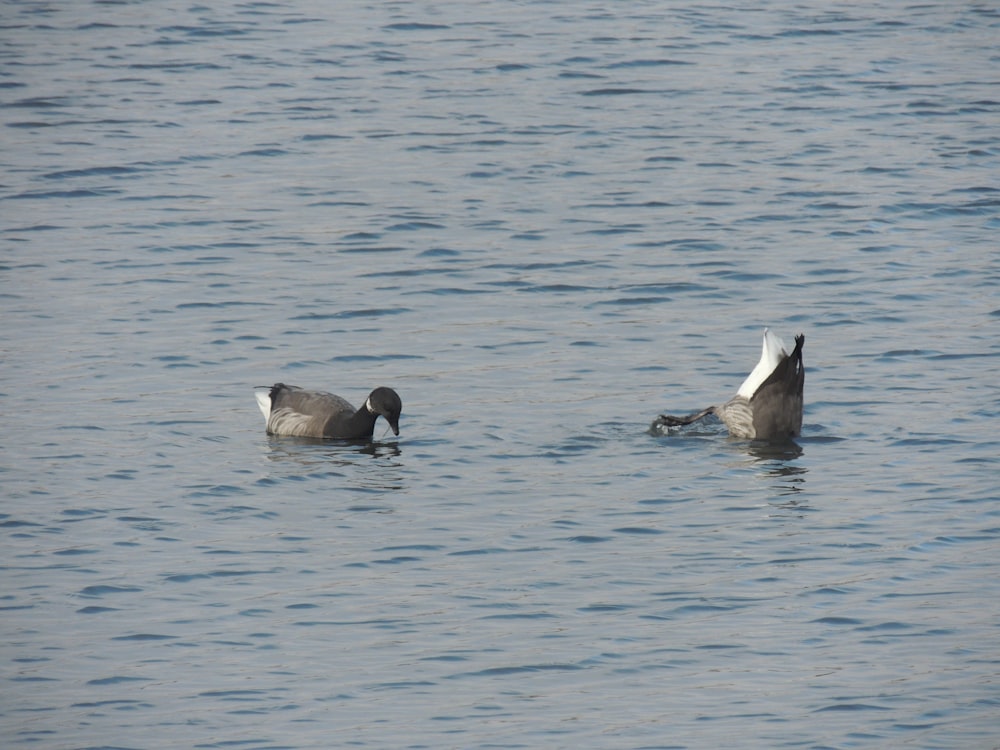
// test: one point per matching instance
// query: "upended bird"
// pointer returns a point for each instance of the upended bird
(297, 412)
(768, 406)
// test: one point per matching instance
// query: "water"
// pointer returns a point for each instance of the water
(543, 224)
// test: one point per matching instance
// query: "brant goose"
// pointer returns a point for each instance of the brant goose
(294, 411)
(768, 406)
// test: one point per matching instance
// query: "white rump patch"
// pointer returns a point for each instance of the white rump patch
(772, 354)
(263, 397)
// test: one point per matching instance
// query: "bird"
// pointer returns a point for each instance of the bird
(768, 406)
(293, 411)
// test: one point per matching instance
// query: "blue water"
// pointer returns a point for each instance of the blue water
(542, 224)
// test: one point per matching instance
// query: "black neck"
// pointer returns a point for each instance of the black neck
(358, 425)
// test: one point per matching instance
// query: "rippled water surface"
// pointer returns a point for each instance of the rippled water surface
(542, 224)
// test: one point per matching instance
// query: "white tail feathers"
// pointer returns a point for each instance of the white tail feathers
(263, 397)
(773, 352)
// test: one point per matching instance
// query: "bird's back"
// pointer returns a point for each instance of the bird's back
(301, 413)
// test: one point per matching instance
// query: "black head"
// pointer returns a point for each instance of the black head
(386, 402)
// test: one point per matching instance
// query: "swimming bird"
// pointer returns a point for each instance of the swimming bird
(290, 410)
(768, 406)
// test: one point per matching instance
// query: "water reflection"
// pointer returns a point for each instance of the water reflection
(308, 451)
(787, 450)
(300, 458)
(772, 461)
(788, 480)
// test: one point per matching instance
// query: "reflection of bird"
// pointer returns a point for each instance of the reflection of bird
(768, 406)
(290, 410)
